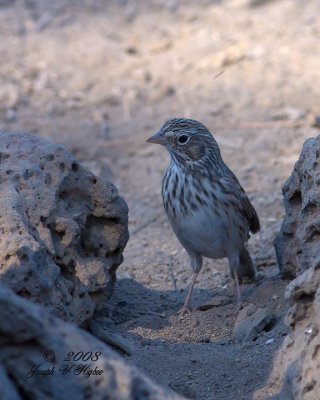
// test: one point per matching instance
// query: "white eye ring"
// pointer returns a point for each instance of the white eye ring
(183, 139)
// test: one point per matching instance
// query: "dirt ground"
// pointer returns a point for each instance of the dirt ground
(101, 77)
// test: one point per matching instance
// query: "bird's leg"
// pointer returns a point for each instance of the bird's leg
(238, 293)
(187, 306)
(234, 261)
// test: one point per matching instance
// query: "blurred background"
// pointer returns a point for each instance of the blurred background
(102, 76)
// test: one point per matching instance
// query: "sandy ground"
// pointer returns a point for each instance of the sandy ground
(101, 77)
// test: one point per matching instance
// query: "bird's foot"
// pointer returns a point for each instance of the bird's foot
(186, 309)
(259, 276)
(237, 308)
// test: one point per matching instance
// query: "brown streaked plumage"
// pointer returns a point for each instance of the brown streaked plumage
(207, 207)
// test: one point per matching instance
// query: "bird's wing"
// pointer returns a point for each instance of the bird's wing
(233, 188)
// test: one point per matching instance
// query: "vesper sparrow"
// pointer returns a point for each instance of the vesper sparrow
(208, 209)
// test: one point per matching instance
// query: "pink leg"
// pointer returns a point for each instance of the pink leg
(187, 306)
(238, 293)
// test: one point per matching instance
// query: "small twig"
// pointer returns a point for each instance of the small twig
(171, 274)
(155, 313)
(141, 313)
(111, 338)
(144, 225)
(219, 74)
(266, 262)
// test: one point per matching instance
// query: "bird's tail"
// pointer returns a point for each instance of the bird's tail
(246, 267)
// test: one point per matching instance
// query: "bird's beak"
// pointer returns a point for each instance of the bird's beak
(158, 138)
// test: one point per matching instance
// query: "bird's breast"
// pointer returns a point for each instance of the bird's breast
(200, 215)
(184, 194)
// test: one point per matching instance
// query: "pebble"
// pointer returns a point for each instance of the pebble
(11, 115)
(316, 123)
(269, 341)
(250, 322)
(215, 302)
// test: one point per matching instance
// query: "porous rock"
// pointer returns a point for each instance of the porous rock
(63, 229)
(297, 367)
(41, 358)
(297, 243)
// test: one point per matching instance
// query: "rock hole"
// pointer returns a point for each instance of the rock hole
(71, 266)
(308, 177)
(75, 167)
(116, 253)
(296, 200)
(41, 167)
(270, 325)
(62, 195)
(48, 180)
(49, 157)
(314, 236)
(313, 232)
(3, 156)
(60, 234)
(93, 238)
(309, 386)
(62, 167)
(305, 298)
(24, 257)
(113, 220)
(24, 293)
(316, 352)
(27, 174)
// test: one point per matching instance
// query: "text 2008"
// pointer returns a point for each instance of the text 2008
(81, 356)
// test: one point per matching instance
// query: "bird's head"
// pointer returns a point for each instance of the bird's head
(187, 140)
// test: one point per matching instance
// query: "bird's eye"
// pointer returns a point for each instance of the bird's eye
(182, 139)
